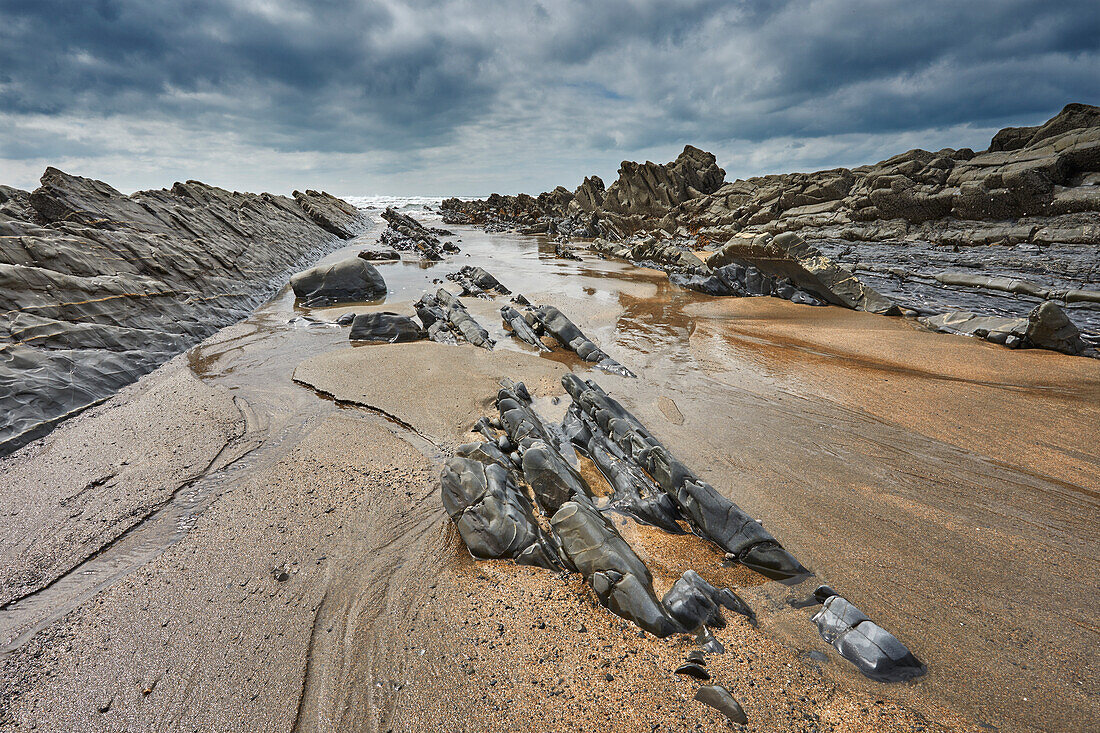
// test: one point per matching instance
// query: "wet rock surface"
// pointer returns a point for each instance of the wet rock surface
(874, 651)
(477, 281)
(446, 319)
(548, 319)
(385, 327)
(349, 281)
(99, 288)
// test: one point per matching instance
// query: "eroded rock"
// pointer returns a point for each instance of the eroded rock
(619, 578)
(493, 516)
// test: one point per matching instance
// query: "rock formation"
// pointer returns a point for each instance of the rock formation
(385, 327)
(99, 288)
(406, 234)
(926, 232)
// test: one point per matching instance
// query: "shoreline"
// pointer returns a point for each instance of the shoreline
(337, 498)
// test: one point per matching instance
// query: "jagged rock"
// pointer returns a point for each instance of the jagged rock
(720, 699)
(1048, 327)
(99, 288)
(493, 516)
(330, 213)
(444, 312)
(547, 318)
(406, 234)
(385, 327)
(1037, 187)
(651, 249)
(477, 282)
(349, 281)
(694, 602)
(521, 329)
(711, 515)
(788, 256)
(875, 652)
(620, 579)
(636, 494)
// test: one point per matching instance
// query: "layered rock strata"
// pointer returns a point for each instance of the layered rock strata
(98, 288)
(406, 234)
(932, 232)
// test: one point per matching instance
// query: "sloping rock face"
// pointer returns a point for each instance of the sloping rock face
(1027, 209)
(98, 288)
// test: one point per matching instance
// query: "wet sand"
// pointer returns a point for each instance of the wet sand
(946, 486)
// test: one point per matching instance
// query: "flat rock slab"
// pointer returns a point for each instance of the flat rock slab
(460, 381)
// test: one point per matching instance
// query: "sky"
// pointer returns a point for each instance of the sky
(468, 97)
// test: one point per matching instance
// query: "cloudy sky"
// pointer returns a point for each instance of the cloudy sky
(444, 97)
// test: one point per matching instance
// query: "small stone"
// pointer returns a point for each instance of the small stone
(691, 669)
(720, 699)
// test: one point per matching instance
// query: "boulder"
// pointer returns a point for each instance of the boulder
(349, 281)
(385, 327)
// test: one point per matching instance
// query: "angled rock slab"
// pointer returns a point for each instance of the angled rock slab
(788, 256)
(618, 576)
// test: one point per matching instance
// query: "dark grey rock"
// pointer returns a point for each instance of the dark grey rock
(551, 320)
(520, 328)
(620, 579)
(876, 653)
(691, 669)
(694, 602)
(720, 699)
(349, 281)
(493, 516)
(379, 255)
(711, 515)
(385, 327)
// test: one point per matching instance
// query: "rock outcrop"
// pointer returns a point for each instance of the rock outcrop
(1025, 210)
(406, 234)
(643, 194)
(99, 288)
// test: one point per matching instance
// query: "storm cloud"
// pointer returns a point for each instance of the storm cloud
(468, 97)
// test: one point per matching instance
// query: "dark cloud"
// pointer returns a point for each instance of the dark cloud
(507, 91)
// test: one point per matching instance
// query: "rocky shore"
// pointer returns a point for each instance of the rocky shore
(98, 288)
(953, 236)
